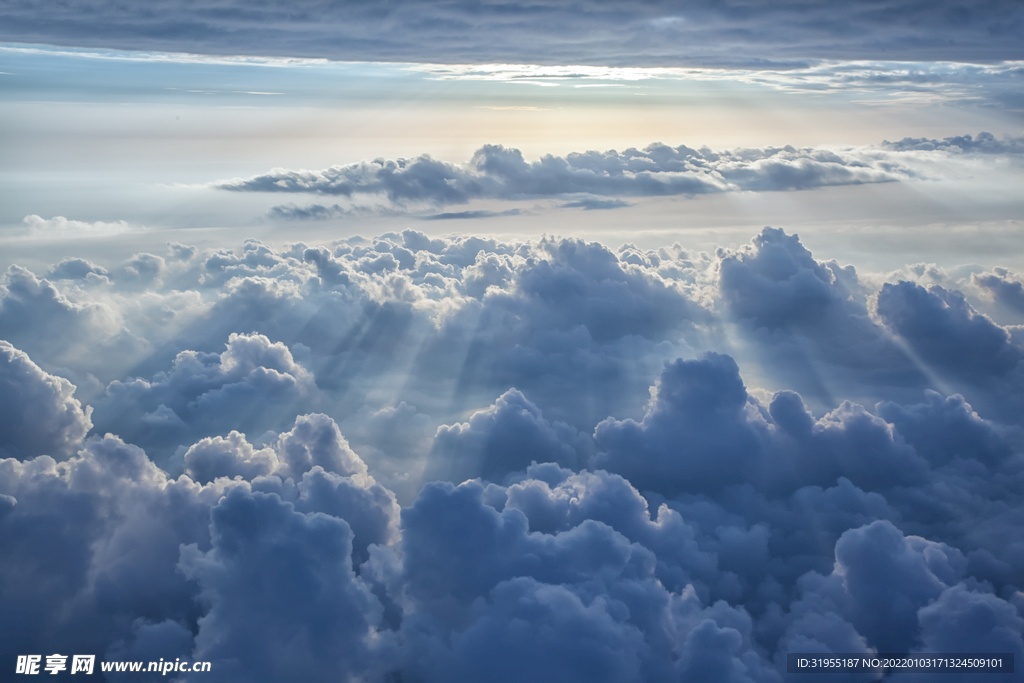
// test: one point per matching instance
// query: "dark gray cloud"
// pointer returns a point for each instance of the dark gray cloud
(312, 212)
(551, 32)
(459, 215)
(319, 212)
(944, 428)
(595, 204)
(464, 558)
(94, 544)
(695, 435)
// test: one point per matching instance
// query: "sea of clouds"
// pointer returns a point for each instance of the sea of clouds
(463, 459)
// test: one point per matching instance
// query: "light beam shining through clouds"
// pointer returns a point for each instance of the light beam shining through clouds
(546, 341)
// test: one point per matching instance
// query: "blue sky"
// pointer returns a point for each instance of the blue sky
(461, 341)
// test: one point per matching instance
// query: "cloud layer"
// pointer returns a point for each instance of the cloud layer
(496, 172)
(548, 32)
(599, 180)
(458, 459)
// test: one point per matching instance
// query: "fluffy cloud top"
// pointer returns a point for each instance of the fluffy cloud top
(242, 387)
(41, 414)
(455, 459)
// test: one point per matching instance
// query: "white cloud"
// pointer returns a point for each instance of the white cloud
(62, 228)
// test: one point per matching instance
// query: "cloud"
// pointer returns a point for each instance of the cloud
(457, 215)
(61, 227)
(809, 321)
(954, 340)
(75, 269)
(972, 618)
(945, 427)
(592, 204)
(1004, 289)
(571, 640)
(868, 80)
(289, 576)
(883, 580)
(319, 212)
(501, 439)
(702, 404)
(455, 321)
(570, 316)
(39, 318)
(652, 33)
(207, 394)
(427, 457)
(562, 564)
(94, 542)
(42, 416)
(945, 330)
(984, 143)
(496, 172)
(917, 82)
(310, 465)
(101, 542)
(702, 432)
(465, 559)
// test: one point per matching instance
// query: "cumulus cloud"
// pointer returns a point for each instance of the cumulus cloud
(812, 322)
(946, 330)
(75, 269)
(289, 576)
(1004, 289)
(454, 322)
(36, 315)
(496, 172)
(203, 394)
(464, 558)
(702, 432)
(695, 435)
(41, 414)
(504, 438)
(454, 458)
(112, 553)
